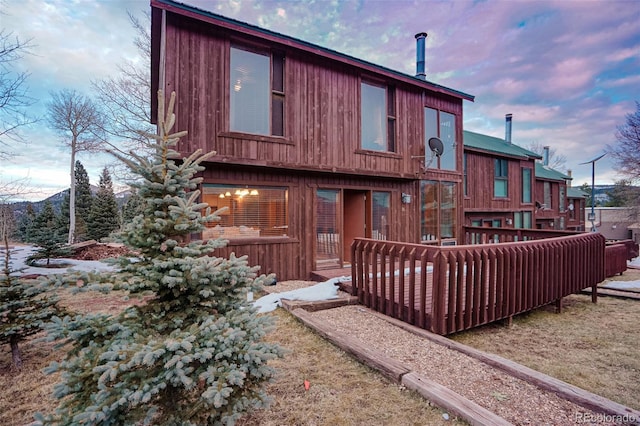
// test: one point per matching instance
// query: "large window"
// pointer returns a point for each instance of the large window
(464, 177)
(501, 178)
(438, 215)
(561, 199)
(251, 211)
(441, 125)
(377, 112)
(256, 93)
(522, 220)
(448, 220)
(526, 185)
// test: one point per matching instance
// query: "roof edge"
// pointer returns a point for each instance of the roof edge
(210, 17)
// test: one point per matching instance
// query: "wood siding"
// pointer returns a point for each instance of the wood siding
(480, 202)
(293, 257)
(549, 217)
(322, 110)
(321, 143)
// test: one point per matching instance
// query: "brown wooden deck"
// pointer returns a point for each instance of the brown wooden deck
(450, 289)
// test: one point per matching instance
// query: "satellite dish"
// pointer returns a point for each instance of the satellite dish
(437, 147)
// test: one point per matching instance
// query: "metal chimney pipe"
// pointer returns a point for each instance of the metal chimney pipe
(507, 129)
(545, 156)
(420, 48)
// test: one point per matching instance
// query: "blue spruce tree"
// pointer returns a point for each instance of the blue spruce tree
(194, 353)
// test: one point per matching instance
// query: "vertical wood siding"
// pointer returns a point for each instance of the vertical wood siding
(293, 257)
(322, 110)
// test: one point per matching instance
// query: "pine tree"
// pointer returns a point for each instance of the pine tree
(194, 353)
(24, 307)
(25, 224)
(47, 236)
(104, 215)
(84, 201)
(132, 207)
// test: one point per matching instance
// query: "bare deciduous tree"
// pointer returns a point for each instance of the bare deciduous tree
(626, 153)
(556, 161)
(14, 100)
(125, 98)
(77, 119)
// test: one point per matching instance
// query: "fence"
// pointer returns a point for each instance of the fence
(449, 289)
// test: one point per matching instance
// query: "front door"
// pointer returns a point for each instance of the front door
(355, 213)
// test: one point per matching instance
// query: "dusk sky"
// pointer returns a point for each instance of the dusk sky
(568, 70)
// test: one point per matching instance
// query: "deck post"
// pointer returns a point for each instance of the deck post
(559, 305)
(594, 293)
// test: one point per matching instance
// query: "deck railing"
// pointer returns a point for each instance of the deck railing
(482, 235)
(616, 255)
(450, 289)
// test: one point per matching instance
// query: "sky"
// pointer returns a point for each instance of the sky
(568, 70)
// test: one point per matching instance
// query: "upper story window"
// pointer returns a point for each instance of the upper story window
(561, 198)
(501, 178)
(256, 92)
(547, 194)
(377, 112)
(526, 185)
(464, 178)
(442, 125)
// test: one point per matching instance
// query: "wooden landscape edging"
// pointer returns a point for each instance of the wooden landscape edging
(443, 397)
(579, 396)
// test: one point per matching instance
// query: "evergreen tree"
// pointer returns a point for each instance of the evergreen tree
(63, 217)
(25, 224)
(84, 202)
(132, 207)
(194, 353)
(46, 236)
(24, 307)
(103, 218)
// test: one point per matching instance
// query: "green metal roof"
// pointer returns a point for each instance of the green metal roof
(546, 172)
(496, 145)
(576, 193)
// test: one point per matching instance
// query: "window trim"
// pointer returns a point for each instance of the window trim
(275, 94)
(248, 234)
(530, 200)
(438, 162)
(498, 175)
(390, 109)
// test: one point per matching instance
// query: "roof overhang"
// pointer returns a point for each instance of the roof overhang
(157, 6)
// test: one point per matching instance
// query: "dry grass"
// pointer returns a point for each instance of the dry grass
(26, 392)
(342, 391)
(592, 346)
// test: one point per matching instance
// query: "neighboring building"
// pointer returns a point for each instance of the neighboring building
(576, 204)
(552, 207)
(314, 147)
(617, 223)
(498, 181)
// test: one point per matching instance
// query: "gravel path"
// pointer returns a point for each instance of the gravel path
(515, 400)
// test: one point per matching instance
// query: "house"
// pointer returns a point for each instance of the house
(617, 223)
(314, 147)
(576, 204)
(552, 208)
(498, 181)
